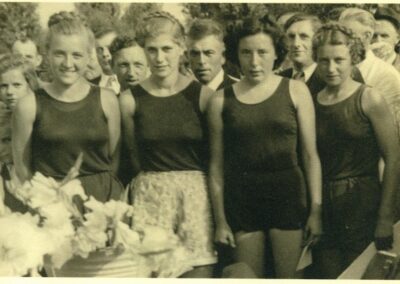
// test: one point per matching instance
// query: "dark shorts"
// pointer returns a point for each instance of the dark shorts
(350, 212)
(259, 201)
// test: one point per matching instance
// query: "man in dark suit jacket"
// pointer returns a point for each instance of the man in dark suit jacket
(300, 29)
(206, 50)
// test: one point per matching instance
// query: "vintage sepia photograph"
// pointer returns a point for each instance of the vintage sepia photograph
(226, 140)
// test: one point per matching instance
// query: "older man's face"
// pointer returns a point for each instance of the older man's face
(385, 31)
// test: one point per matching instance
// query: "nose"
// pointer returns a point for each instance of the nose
(106, 53)
(377, 38)
(68, 61)
(331, 66)
(202, 58)
(296, 41)
(159, 56)
(254, 59)
(10, 92)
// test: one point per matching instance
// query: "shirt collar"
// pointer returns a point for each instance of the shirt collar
(218, 79)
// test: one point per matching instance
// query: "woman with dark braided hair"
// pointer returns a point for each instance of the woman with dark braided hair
(164, 129)
(354, 129)
(69, 116)
(257, 126)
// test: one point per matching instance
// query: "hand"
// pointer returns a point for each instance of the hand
(224, 235)
(313, 229)
(384, 234)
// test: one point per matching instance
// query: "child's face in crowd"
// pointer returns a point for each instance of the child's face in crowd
(5, 145)
(13, 86)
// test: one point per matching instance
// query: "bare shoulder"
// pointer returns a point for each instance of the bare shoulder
(127, 101)
(372, 100)
(299, 92)
(26, 107)
(109, 100)
(206, 94)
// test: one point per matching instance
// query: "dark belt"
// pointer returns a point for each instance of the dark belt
(336, 188)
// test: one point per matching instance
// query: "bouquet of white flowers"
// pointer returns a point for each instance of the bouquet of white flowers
(57, 231)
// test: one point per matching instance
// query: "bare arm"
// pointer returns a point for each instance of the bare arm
(128, 106)
(110, 106)
(215, 177)
(22, 124)
(377, 111)
(312, 166)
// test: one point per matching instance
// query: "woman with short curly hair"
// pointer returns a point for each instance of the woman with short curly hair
(257, 127)
(354, 129)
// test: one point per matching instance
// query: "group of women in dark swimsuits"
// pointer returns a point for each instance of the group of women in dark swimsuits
(258, 161)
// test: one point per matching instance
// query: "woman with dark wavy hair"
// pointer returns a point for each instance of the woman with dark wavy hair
(354, 129)
(257, 126)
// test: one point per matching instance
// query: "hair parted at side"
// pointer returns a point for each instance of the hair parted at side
(335, 34)
(201, 28)
(68, 23)
(121, 42)
(252, 26)
(160, 22)
(16, 61)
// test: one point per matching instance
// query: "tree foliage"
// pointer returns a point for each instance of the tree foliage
(228, 13)
(18, 21)
(134, 15)
(100, 15)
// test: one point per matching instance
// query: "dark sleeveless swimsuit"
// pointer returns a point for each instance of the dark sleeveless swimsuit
(63, 130)
(264, 185)
(349, 156)
(170, 130)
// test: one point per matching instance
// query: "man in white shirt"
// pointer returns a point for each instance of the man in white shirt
(300, 29)
(375, 72)
(107, 79)
(386, 36)
(206, 50)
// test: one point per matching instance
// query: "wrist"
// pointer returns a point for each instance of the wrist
(315, 208)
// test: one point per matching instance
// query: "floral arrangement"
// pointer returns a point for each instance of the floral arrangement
(56, 229)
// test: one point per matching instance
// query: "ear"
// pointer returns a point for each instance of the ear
(368, 35)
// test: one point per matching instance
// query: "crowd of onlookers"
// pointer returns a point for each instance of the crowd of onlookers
(249, 143)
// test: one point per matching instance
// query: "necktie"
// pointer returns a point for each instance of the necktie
(299, 76)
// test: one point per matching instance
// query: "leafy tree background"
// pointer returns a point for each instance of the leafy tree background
(18, 21)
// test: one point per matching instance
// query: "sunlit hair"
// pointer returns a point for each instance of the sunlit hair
(16, 61)
(301, 17)
(356, 14)
(252, 26)
(201, 28)
(161, 22)
(336, 34)
(121, 42)
(68, 23)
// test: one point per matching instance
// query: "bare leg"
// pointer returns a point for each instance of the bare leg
(250, 250)
(205, 271)
(286, 247)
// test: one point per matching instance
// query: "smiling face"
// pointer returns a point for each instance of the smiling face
(334, 63)
(68, 57)
(206, 57)
(13, 86)
(163, 55)
(130, 66)
(300, 35)
(256, 56)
